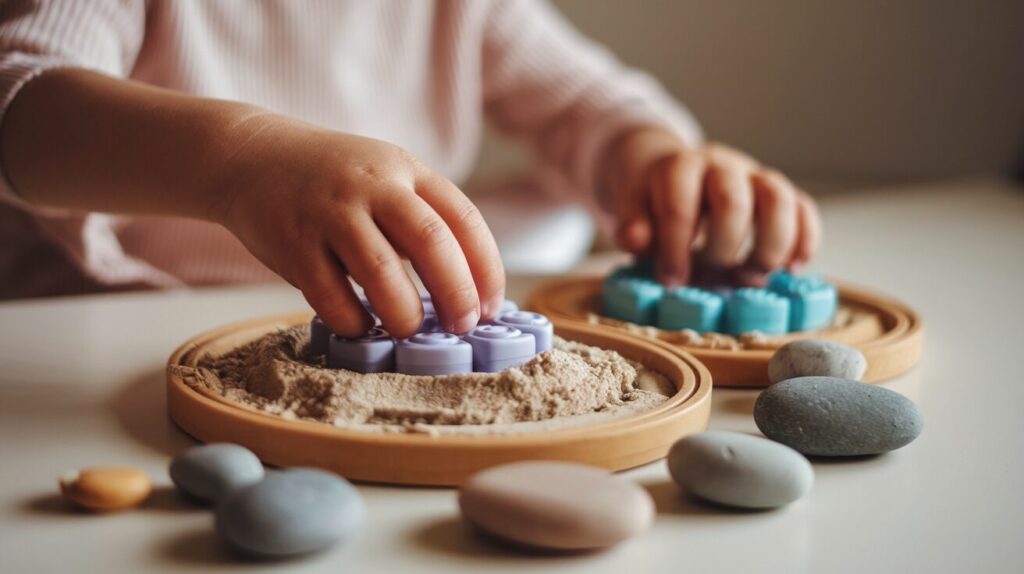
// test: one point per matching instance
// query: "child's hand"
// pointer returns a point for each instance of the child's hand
(679, 203)
(316, 205)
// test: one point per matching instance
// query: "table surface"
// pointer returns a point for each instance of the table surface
(82, 384)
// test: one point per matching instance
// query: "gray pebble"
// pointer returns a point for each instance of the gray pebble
(739, 469)
(816, 357)
(828, 416)
(211, 471)
(291, 512)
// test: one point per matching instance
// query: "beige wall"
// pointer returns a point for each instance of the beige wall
(839, 91)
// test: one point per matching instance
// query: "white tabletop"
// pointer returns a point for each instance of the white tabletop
(81, 383)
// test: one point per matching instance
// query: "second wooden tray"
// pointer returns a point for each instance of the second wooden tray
(888, 332)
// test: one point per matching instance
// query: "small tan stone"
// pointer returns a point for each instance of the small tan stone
(555, 505)
(106, 488)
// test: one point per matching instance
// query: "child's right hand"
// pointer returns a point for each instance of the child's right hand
(317, 206)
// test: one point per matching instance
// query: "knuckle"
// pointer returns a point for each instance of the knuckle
(463, 296)
(470, 218)
(329, 300)
(776, 194)
(381, 265)
(432, 232)
(677, 209)
(725, 193)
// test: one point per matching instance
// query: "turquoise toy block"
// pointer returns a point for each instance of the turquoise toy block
(631, 299)
(690, 308)
(760, 310)
(812, 300)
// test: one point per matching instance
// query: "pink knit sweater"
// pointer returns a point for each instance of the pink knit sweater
(420, 74)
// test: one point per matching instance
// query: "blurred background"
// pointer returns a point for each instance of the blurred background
(839, 93)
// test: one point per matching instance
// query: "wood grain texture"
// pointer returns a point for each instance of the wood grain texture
(888, 332)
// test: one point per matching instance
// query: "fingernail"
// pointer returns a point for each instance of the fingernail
(467, 322)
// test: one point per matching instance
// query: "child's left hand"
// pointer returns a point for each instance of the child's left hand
(682, 204)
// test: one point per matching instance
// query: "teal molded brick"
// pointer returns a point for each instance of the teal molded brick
(750, 309)
(631, 299)
(812, 300)
(690, 308)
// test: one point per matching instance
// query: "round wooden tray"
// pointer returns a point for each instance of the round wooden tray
(888, 332)
(439, 460)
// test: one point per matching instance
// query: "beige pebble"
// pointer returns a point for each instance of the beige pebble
(555, 505)
(106, 488)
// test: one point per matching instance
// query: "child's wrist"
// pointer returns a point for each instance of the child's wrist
(234, 135)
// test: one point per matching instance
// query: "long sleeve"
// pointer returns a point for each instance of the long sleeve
(567, 97)
(36, 36)
(101, 35)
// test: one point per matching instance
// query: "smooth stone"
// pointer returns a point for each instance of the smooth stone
(828, 416)
(291, 512)
(106, 488)
(211, 471)
(816, 358)
(556, 505)
(739, 469)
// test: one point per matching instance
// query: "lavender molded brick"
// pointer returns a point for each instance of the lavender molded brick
(433, 353)
(374, 352)
(319, 337)
(529, 322)
(429, 324)
(498, 347)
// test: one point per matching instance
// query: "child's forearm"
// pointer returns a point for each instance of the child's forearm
(81, 140)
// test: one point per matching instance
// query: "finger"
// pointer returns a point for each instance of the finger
(634, 235)
(809, 233)
(775, 206)
(373, 263)
(730, 199)
(328, 291)
(675, 196)
(634, 230)
(418, 231)
(473, 236)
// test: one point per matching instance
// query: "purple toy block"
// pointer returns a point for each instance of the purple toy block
(374, 352)
(434, 353)
(499, 347)
(507, 307)
(529, 322)
(319, 337)
(428, 305)
(429, 323)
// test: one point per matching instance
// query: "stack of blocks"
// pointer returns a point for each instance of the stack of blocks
(789, 303)
(512, 339)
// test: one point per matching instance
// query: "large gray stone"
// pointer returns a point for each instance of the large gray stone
(210, 472)
(829, 416)
(556, 505)
(816, 357)
(290, 512)
(739, 469)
